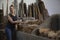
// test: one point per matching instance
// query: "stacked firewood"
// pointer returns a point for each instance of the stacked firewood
(46, 32)
(36, 10)
(28, 26)
(1, 15)
(53, 30)
(2, 24)
(1, 19)
(2, 35)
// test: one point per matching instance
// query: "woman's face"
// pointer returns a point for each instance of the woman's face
(12, 9)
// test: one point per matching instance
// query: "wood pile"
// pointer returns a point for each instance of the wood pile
(52, 30)
(2, 35)
(1, 15)
(28, 26)
(36, 10)
(1, 19)
(46, 32)
(2, 24)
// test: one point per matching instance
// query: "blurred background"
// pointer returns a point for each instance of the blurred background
(53, 6)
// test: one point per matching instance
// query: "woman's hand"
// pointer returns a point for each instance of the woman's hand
(18, 21)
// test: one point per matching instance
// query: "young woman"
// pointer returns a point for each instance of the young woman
(10, 27)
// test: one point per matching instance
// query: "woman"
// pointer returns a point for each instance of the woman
(10, 27)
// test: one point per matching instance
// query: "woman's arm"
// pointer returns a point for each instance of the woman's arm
(11, 21)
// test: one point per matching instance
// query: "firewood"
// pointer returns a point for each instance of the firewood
(52, 34)
(44, 31)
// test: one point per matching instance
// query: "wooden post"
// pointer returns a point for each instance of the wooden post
(6, 13)
(39, 14)
(16, 11)
(34, 10)
(3, 8)
(42, 9)
(7, 9)
(30, 12)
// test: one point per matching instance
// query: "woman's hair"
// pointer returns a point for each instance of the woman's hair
(11, 6)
